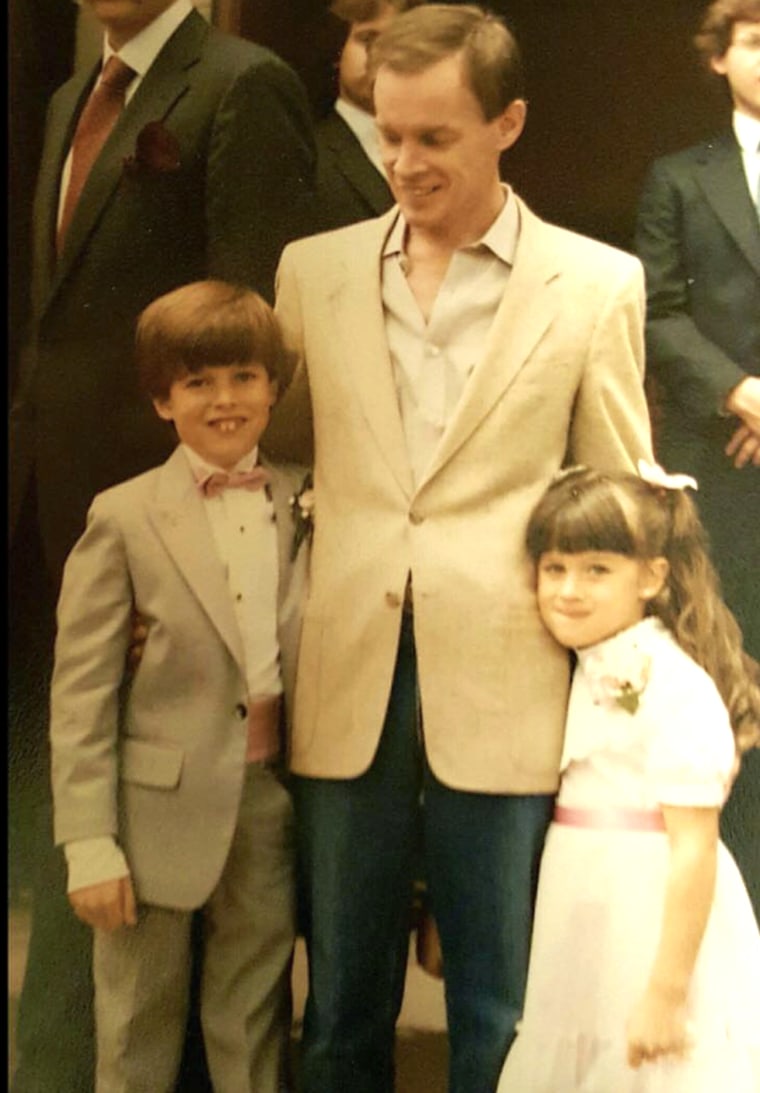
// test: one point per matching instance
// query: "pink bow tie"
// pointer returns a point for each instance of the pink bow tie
(213, 484)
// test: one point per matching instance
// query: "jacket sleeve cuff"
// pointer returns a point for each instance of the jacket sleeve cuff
(93, 861)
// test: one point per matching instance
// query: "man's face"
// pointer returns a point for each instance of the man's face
(740, 64)
(123, 19)
(440, 154)
(354, 82)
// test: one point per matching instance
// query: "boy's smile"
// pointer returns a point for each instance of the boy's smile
(221, 411)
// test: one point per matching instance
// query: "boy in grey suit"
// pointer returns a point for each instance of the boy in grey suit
(168, 792)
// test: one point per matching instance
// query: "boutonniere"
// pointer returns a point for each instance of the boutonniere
(302, 511)
(618, 678)
(156, 151)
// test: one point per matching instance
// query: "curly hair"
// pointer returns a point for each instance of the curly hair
(585, 509)
(717, 27)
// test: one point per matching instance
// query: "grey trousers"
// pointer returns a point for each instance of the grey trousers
(142, 972)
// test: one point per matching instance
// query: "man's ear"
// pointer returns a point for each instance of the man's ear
(654, 573)
(718, 65)
(511, 123)
(163, 408)
(274, 392)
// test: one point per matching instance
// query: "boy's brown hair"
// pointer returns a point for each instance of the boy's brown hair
(717, 27)
(207, 324)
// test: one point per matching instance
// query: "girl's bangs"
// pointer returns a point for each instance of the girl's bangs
(581, 520)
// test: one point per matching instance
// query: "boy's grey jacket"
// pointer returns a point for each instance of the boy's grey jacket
(160, 766)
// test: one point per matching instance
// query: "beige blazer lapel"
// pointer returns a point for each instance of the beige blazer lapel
(180, 521)
(523, 317)
(356, 298)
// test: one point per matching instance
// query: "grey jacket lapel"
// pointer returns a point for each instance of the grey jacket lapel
(180, 521)
(281, 494)
(720, 174)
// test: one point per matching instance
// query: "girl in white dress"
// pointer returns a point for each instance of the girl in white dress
(645, 963)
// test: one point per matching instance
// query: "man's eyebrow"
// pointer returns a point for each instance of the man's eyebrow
(419, 129)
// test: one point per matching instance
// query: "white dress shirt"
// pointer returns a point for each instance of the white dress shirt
(243, 527)
(747, 132)
(433, 360)
(363, 126)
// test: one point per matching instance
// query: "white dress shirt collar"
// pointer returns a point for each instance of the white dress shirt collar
(500, 238)
(747, 130)
(141, 51)
(201, 467)
(362, 125)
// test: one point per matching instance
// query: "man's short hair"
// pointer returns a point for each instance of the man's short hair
(431, 33)
(717, 27)
(362, 11)
(207, 324)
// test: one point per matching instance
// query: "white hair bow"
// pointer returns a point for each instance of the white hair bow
(654, 474)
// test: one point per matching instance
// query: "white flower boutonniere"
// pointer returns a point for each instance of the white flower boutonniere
(302, 511)
(618, 677)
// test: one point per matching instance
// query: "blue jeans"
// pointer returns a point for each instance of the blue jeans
(358, 847)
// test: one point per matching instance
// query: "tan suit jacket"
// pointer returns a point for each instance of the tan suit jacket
(161, 766)
(560, 381)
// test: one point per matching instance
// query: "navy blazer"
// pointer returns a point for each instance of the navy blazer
(698, 236)
(349, 186)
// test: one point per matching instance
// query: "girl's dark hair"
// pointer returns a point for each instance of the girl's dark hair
(585, 509)
(206, 324)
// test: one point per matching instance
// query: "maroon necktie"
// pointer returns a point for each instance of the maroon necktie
(95, 123)
(213, 484)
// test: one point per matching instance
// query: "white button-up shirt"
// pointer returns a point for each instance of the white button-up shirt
(432, 361)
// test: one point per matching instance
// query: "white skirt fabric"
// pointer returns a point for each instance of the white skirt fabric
(600, 901)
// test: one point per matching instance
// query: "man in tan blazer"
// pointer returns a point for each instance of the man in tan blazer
(455, 354)
(168, 787)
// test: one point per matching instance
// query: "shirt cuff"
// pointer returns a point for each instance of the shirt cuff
(94, 861)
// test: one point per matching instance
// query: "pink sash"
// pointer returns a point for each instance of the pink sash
(621, 819)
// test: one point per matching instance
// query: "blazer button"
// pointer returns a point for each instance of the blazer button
(241, 710)
(416, 517)
(392, 599)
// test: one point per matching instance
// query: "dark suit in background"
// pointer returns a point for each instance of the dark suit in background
(698, 236)
(349, 186)
(217, 191)
(240, 120)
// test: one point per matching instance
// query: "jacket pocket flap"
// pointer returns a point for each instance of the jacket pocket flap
(149, 764)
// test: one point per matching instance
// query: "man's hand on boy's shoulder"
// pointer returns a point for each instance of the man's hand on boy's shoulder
(107, 905)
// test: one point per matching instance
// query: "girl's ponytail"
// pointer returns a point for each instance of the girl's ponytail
(691, 605)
